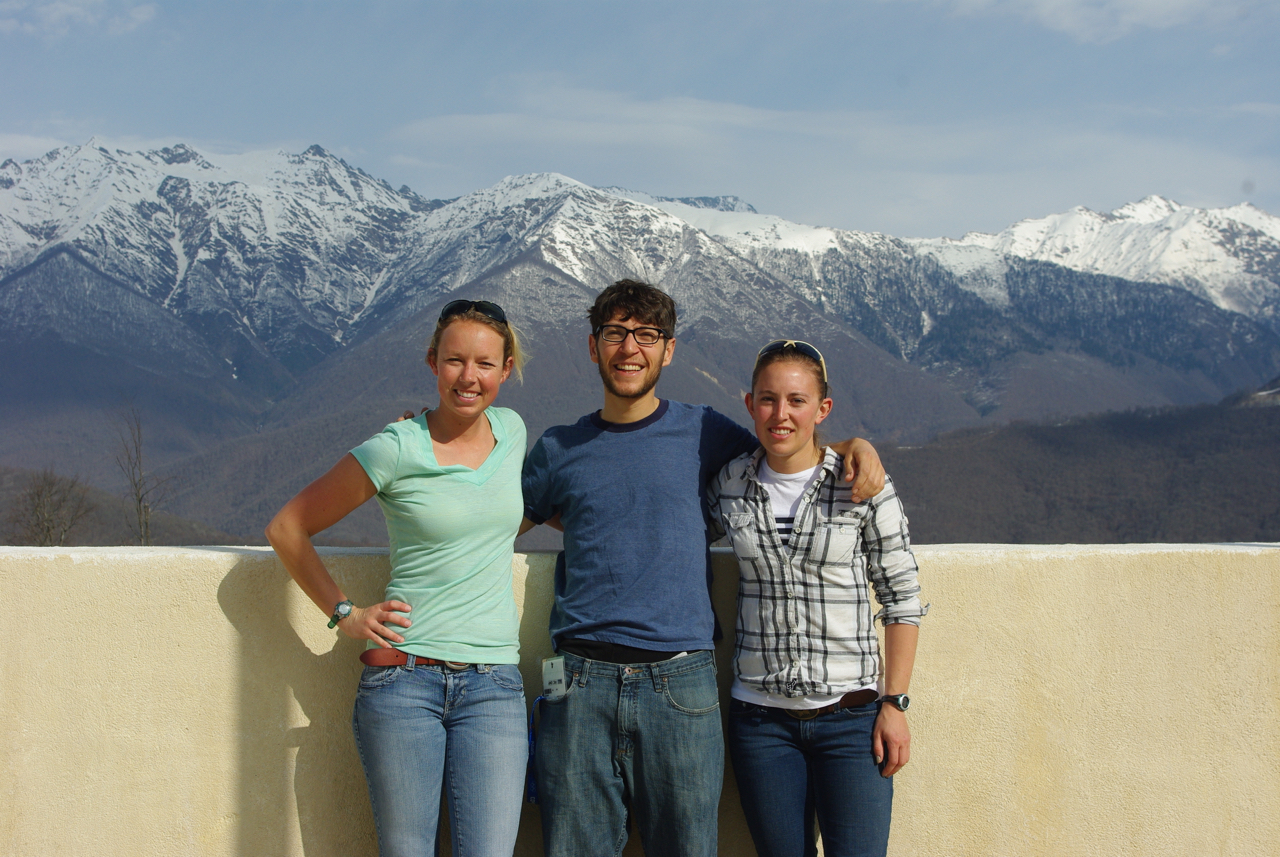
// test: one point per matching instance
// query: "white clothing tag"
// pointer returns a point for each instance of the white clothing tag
(553, 677)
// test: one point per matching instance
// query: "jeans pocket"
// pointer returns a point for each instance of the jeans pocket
(570, 687)
(745, 711)
(692, 692)
(373, 678)
(870, 711)
(507, 677)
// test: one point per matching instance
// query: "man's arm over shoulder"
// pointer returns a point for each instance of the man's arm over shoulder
(861, 460)
(730, 439)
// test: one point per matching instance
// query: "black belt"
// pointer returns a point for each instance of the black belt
(611, 653)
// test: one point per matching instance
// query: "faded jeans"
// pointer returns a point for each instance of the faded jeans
(420, 729)
(638, 739)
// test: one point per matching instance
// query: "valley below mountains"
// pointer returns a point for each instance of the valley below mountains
(266, 312)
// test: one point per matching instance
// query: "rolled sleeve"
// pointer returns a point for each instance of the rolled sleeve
(891, 566)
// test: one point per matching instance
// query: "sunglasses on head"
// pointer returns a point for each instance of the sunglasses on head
(488, 309)
(798, 346)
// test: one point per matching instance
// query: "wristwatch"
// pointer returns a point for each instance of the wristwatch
(340, 611)
(899, 701)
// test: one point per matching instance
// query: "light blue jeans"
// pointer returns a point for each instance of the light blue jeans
(419, 729)
(647, 736)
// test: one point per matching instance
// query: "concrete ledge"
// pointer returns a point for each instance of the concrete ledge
(1073, 700)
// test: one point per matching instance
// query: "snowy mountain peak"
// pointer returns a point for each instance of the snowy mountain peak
(736, 222)
(1226, 255)
(1150, 209)
(536, 185)
(179, 154)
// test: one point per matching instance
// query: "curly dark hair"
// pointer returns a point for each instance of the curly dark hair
(634, 299)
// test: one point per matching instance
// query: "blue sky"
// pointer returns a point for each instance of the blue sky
(912, 117)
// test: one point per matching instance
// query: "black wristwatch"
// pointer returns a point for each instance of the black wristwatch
(899, 701)
(340, 611)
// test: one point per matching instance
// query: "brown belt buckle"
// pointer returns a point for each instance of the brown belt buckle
(803, 713)
(456, 667)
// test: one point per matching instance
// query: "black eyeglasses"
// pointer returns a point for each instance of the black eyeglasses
(797, 345)
(488, 309)
(616, 333)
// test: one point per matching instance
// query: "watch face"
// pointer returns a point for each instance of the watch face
(904, 701)
(344, 609)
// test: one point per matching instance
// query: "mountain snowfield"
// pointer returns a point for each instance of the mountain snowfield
(237, 297)
(1230, 256)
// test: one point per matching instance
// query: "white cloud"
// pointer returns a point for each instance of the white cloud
(1104, 20)
(25, 147)
(875, 170)
(59, 17)
(1258, 108)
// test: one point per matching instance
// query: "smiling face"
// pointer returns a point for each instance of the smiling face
(629, 370)
(469, 368)
(786, 406)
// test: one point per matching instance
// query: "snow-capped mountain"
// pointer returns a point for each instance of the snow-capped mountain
(272, 247)
(242, 294)
(1229, 256)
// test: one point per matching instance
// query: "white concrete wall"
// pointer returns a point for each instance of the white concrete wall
(1068, 701)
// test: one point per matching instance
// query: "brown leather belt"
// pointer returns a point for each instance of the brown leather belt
(866, 696)
(397, 658)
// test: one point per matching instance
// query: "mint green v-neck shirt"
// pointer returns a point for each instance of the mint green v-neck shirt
(451, 531)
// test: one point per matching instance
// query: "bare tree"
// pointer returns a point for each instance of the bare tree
(46, 510)
(145, 490)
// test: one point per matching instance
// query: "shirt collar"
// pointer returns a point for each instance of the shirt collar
(831, 464)
(601, 423)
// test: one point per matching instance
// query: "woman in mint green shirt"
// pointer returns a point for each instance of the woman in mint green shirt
(440, 699)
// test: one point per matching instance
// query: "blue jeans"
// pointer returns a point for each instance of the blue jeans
(417, 729)
(779, 761)
(646, 736)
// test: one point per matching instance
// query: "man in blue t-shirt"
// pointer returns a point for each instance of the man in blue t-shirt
(639, 723)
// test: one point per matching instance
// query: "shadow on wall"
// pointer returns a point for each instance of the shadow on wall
(294, 742)
(282, 681)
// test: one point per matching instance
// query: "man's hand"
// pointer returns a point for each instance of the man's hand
(408, 415)
(891, 740)
(370, 623)
(862, 460)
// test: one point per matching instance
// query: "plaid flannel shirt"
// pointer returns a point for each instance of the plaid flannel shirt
(804, 610)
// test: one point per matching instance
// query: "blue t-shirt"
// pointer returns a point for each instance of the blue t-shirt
(636, 565)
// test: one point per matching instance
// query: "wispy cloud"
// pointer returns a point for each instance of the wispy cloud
(1103, 20)
(24, 147)
(1258, 108)
(877, 170)
(59, 17)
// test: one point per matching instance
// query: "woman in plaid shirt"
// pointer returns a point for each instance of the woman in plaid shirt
(818, 723)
